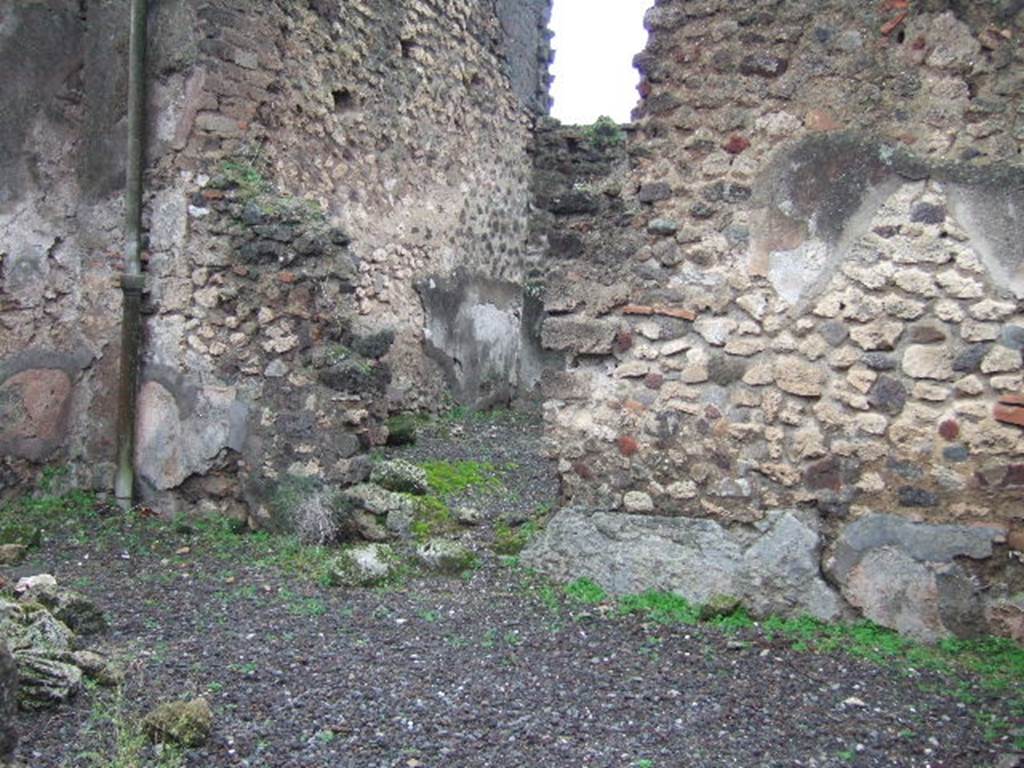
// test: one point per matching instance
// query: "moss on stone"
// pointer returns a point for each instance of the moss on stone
(187, 723)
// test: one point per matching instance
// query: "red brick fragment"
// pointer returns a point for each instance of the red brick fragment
(1009, 414)
(623, 341)
(1012, 399)
(654, 380)
(736, 145)
(628, 446)
(949, 429)
(287, 277)
(643, 309)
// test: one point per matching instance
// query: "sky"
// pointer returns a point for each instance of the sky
(595, 41)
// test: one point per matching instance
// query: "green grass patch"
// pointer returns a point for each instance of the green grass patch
(586, 592)
(662, 607)
(451, 477)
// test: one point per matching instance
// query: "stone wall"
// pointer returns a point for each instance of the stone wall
(311, 164)
(805, 321)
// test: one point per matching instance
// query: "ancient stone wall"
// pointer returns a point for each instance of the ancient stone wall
(793, 372)
(311, 166)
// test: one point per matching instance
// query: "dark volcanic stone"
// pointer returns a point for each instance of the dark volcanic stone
(970, 359)
(917, 497)
(764, 65)
(888, 395)
(926, 213)
(574, 202)
(375, 345)
(956, 453)
(701, 210)
(927, 334)
(727, 191)
(652, 193)
(356, 377)
(1012, 337)
(879, 361)
(725, 370)
(565, 245)
(824, 475)
(834, 332)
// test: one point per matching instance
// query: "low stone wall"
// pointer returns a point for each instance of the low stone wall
(812, 301)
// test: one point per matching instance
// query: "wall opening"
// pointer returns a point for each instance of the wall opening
(595, 42)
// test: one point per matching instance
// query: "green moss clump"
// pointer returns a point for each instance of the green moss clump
(604, 133)
(448, 477)
(432, 518)
(511, 541)
(187, 723)
(401, 429)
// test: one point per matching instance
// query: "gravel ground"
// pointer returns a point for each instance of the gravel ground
(491, 669)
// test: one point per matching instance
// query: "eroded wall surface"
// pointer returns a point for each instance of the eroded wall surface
(311, 164)
(792, 365)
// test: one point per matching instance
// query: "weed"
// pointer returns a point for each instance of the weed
(511, 541)
(734, 622)
(643, 763)
(604, 133)
(585, 591)
(662, 607)
(307, 606)
(430, 616)
(119, 740)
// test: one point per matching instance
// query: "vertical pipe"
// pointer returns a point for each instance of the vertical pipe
(131, 280)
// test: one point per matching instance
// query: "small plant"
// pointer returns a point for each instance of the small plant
(511, 541)
(402, 429)
(316, 520)
(118, 740)
(586, 592)
(662, 607)
(604, 133)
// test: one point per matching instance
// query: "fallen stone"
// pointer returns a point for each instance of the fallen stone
(772, 568)
(400, 476)
(44, 682)
(80, 614)
(99, 668)
(444, 556)
(469, 516)
(12, 554)
(187, 723)
(365, 565)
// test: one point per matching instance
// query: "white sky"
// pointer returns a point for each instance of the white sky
(595, 41)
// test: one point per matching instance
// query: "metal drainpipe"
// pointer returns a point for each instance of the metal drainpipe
(132, 279)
